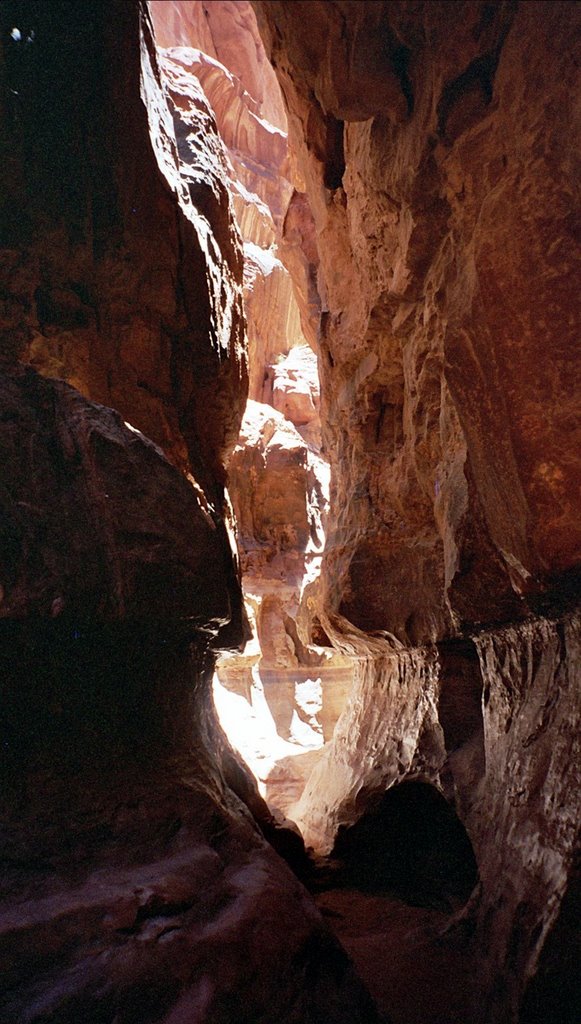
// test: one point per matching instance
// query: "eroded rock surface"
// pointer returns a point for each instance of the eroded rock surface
(218, 44)
(438, 155)
(296, 689)
(437, 148)
(89, 534)
(277, 480)
(443, 192)
(120, 264)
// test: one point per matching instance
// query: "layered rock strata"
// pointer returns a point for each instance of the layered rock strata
(438, 154)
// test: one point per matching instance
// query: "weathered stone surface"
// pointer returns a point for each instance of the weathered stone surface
(277, 482)
(512, 760)
(276, 486)
(292, 690)
(439, 164)
(300, 255)
(449, 309)
(389, 730)
(295, 392)
(96, 524)
(227, 32)
(219, 45)
(439, 161)
(274, 318)
(532, 718)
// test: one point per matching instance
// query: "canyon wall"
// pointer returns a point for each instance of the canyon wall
(449, 382)
(438, 147)
(136, 881)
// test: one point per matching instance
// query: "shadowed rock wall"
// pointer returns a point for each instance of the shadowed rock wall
(106, 267)
(136, 882)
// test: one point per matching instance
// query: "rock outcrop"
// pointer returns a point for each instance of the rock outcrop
(218, 44)
(438, 155)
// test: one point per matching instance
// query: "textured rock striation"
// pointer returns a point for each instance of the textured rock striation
(456, 374)
(438, 152)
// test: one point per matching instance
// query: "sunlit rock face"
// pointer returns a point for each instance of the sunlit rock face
(278, 481)
(219, 44)
(294, 690)
(448, 331)
(438, 155)
(137, 883)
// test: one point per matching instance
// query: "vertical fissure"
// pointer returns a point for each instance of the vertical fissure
(280, 697)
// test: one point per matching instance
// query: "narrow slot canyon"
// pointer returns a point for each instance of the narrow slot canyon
(290, 492)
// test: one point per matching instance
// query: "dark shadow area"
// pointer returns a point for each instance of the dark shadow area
(82, 696)
(49, 137)
(460, 715)
(412, 844)
(554, 994)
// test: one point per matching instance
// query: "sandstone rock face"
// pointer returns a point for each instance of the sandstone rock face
(139, 885)
(453, 457)
(219, 45)
(295, 690)
(438, 159)
(531, 712)
(227, 32)
(511, 759)
(277, 481)
(90, 533)
(104, 258)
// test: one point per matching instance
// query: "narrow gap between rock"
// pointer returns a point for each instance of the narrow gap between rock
(279, 698)
(395, 875)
